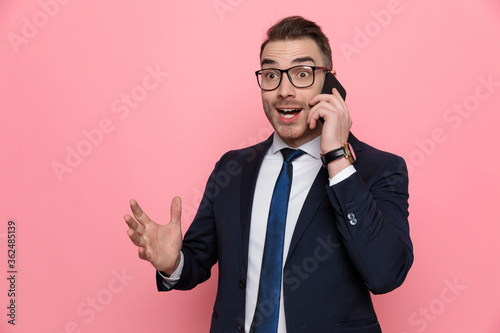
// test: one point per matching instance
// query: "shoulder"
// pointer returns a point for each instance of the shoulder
(247, 154)
(373, 158)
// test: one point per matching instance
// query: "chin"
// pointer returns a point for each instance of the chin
(291, 136)
(297, 135)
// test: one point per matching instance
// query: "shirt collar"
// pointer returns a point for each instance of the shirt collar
(312, 147)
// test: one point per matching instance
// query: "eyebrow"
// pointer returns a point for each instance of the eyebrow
(267, 61)
(303, 59)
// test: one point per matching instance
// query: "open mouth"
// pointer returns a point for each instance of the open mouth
(289, 113)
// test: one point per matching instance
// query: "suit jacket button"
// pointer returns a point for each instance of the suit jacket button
(242, 284)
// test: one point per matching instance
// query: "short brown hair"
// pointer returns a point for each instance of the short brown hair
(297, 27)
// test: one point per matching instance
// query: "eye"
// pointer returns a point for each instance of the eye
(303, 74)
(270, 75)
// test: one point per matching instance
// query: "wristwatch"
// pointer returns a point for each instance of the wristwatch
(337, 154)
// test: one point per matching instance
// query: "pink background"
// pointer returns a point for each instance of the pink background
(67, 67)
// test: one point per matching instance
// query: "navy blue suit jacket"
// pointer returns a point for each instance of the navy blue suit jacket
(350, 239)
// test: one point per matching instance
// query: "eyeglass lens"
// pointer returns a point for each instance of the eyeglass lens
(301, 77)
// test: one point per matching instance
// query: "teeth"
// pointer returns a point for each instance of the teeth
(288, 113)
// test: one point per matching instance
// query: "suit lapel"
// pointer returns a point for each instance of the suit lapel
(316, 195)
(249, 174)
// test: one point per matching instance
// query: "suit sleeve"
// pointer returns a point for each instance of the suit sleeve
(371, 209)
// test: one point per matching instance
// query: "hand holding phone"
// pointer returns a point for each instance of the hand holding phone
(330, 83)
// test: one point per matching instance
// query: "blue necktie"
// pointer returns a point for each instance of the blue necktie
(268, 300)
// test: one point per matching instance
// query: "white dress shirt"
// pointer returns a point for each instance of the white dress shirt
(305, 170)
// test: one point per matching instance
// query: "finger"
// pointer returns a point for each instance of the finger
(313, 117)
(143, 254)
(136, 238)
(175, 211)
(320, 110)
(337, 100)
(334, 99)
(322, 97)
(139, 213)
(330, 106)
(335, 92)
(133, 224)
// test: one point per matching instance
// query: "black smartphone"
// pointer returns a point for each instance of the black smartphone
(330, 83)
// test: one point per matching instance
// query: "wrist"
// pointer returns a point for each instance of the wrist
(169, 271)
(335, 155)
(336, 167)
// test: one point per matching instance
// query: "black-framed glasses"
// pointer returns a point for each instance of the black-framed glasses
(300, 76)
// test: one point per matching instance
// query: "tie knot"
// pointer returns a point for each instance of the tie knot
(290, 154)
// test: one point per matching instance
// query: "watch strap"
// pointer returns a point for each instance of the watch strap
(332, 156)
(337, 154)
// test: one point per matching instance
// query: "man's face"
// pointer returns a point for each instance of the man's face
(278, 104)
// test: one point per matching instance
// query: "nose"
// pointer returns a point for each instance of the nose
(286, 89)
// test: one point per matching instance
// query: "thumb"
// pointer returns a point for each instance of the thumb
(175, 211)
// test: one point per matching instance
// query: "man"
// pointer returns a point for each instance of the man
(341, 233)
